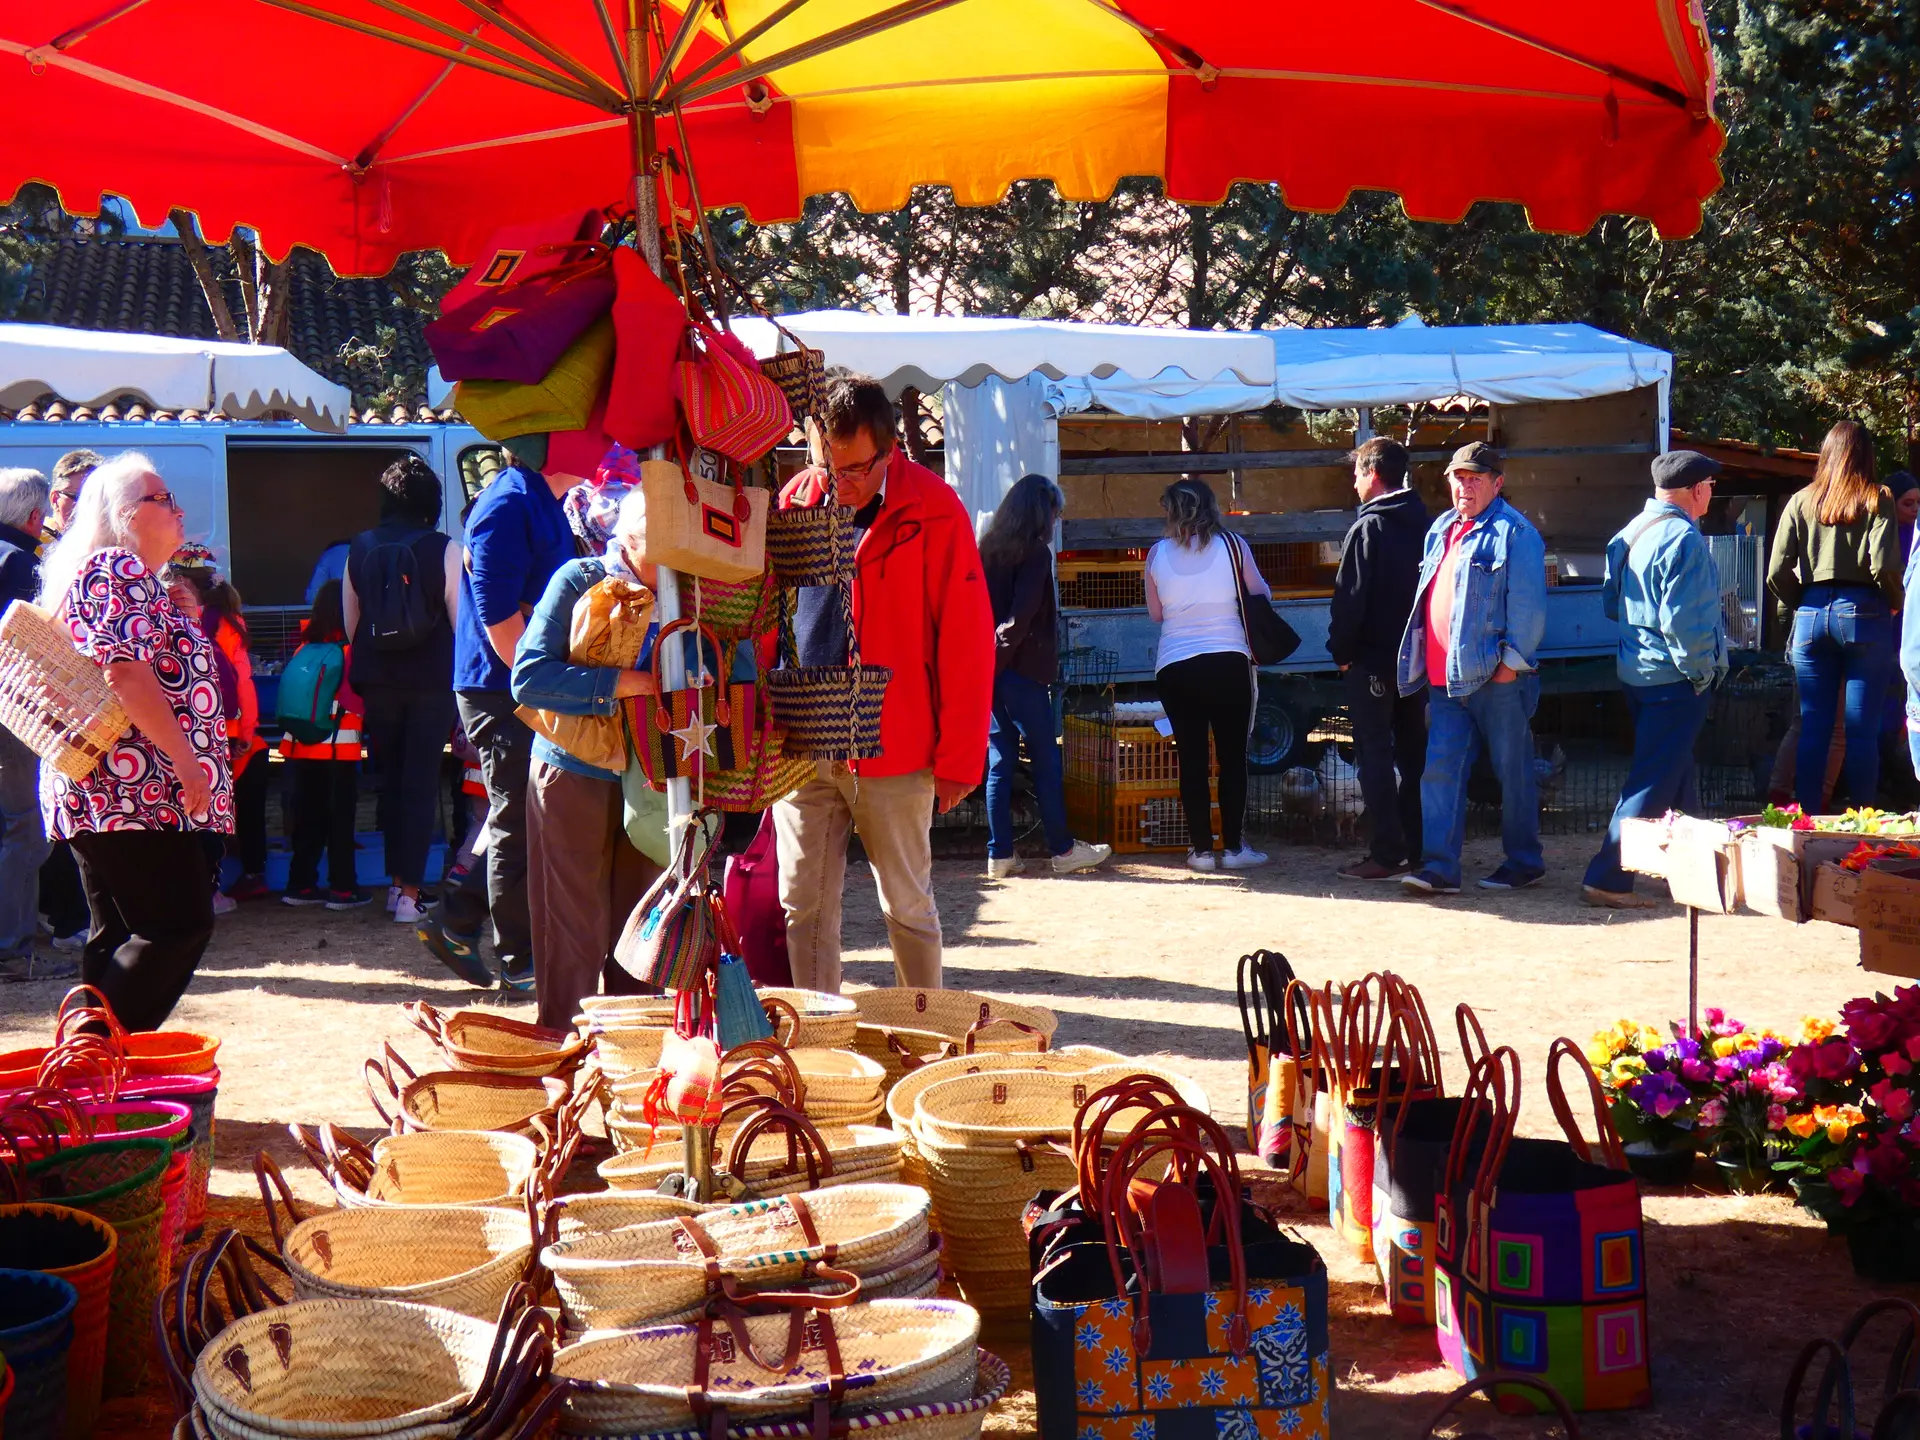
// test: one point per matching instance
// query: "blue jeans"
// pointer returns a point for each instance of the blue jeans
(1497, 716)
(1844, 646)
(1666, 722)
(1022, 707)
(23, 846)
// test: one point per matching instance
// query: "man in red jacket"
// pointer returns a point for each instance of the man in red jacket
(919, 606)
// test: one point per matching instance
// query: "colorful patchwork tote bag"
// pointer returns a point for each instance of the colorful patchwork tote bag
(1262, 985)
(1310, 1026)
(1362, 1076)
(1176, 1327)
(1410, 1151)
(1539, 1265)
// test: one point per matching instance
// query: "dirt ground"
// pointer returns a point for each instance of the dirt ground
(1141, 959)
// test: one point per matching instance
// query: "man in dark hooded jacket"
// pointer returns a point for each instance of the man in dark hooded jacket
(1372, 597)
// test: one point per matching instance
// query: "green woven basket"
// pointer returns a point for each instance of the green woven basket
(139, 1270)
(114, 1179)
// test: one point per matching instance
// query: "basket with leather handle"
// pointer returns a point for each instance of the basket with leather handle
(820, 1020)
(905, 1028)
(460, 1099)
(52, 697)
(812, 544)
(801, 374)
(762, 1149)
(491, 1043)
(192, 1309)
(829, 712)
(422, 1167)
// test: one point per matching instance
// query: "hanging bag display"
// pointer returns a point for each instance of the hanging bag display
(1262, 985)
(730, 407)
(697, 732)
(704, 527)
(518, 331)
(829, 712)
(1174, 1324)
(650, 323)
(672, 938)
(801, 373)
(1413, 1139)
(1539, 1263)
(562, 399)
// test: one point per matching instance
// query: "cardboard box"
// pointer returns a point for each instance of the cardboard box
(1698, 859)
(1835, 892)
(1888, 911)
(1777, 866)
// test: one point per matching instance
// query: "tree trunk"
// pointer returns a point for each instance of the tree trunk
(202, 261)
(1200, 239)
(274, 282)
(910, 432)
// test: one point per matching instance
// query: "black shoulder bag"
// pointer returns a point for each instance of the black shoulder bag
(1269, 637)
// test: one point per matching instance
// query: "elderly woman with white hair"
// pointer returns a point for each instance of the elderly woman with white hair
(584, 874)
(137, 821)
(23, 838)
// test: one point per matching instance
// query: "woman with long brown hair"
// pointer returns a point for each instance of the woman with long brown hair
(1836, 569)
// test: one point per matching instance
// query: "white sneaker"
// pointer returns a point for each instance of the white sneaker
(1201, 860)
(409, 911)
(393, 898)
(1081, 857)
(999, 868)
(1245, 858)
(69, 944)
(224, 904)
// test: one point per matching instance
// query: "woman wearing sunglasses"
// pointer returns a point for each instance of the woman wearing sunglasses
(137, 820)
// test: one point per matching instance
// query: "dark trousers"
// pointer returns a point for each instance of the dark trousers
(61, 897)
(152, 904)
(584, 879)
(1389, 732)
(1667, 720)
(408, 729)
(1210, 693)
(325, 793)
(250, 815)
(506, 754)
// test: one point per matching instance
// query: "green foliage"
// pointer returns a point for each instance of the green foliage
(30, 225)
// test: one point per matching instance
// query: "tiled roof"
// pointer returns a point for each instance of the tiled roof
(147, 286)
(49, 409)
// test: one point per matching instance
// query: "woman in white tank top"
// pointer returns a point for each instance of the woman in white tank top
(1204, 667)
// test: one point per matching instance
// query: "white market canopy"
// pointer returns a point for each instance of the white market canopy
(91, 367)
(929, 351)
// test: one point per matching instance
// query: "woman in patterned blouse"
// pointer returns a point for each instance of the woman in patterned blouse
(137, 823)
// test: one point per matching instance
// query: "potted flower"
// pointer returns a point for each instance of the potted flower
(1746, 1109)
(1857, 1161)
(1654, 1093)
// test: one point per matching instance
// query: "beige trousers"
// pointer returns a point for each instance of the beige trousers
(893, 817)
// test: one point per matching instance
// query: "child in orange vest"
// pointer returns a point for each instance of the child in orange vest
(326, 780)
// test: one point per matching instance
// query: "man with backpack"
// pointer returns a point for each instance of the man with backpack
(401, 594)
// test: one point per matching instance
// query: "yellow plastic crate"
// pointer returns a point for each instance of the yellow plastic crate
(1124, 757)
(1102, 584)
(1133, 821)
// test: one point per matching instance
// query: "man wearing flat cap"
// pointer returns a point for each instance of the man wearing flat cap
(1663, 589)
(1476, 626)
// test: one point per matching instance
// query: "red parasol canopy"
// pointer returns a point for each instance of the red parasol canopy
(366, 128)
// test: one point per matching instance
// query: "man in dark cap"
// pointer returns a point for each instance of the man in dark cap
(1663, 589)
(1477, 621)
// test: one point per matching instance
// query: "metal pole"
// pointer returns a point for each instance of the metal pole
(695, 1140)
(1693, 972)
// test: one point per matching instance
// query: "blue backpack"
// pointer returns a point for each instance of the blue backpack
(308, 687)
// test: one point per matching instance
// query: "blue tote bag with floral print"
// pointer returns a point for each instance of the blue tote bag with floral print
(1184, 1322)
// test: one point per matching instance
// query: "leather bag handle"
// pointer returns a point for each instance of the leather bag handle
(803, 1145)
(986, 1021)
(1486, 1385)
(1493, 1094)
(1473, 1039)
(1833, 1414)
(266, 1174)
(1609, 1150)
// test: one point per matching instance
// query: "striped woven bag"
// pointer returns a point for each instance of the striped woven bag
(730, 407)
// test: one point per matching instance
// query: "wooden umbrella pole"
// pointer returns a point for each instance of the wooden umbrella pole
(695, 1140)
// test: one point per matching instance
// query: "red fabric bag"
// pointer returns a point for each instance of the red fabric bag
(752, 893)
(518, 332)
(731, 408)
(648, 323)
(517, 253)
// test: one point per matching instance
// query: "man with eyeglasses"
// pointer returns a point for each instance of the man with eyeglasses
(918, 605)
(1663, 588)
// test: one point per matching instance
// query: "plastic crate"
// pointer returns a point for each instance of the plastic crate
(1132, 821)
(1124, 757)
(1102, 584)
(1294, 565)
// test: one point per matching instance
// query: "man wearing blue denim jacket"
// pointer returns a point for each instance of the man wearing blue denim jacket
(1476, 625)
(1663, 589)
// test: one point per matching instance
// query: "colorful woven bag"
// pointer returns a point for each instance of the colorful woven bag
(1539, 1262)
(829, 712)
(704, 527)
(562, 399)
(730, 407)
(1262, 985)
(698, 731)
(672, 938)
(1172, 1326)
(1410, 1153)
(519, 331)
(812, 544)
(1310, 1024)
(1364, 1076)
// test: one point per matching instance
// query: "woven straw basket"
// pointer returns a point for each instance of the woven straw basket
(826, 1022)
(599, 1010)
(629, 1046)
(933, 1024)
(574, 1217)
(813, 545)
(460, 1099)
(949, 1420)
(858, 1153)
(53, 697)
(489, 1043)
(319, 1369)
(640, 1275)
(906, 1352)
(423, 1167)
(455, 1257)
